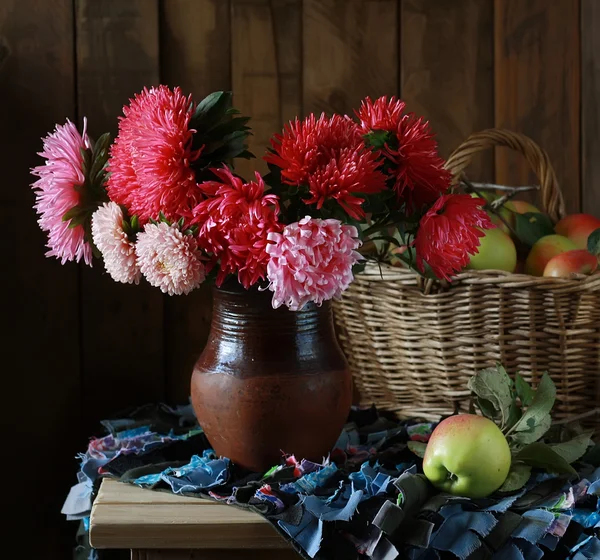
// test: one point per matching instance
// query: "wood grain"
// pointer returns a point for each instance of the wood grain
(255, 54)
(117, 55)
(218, 554)
(590, 113)
(537, 87)
(195, 54)
(126, 516)
(41, 334)
(350, 50)
(447, 54)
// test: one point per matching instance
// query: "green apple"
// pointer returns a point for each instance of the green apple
(467, 455)
(497, 251)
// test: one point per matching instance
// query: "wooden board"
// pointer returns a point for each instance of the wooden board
(122, 341)
(125, 516)
(265, 52)
(447, 72)
(195, 55)
(590, 112)
(350, 50)
(537, 87)
(214, 555)
(40, 302)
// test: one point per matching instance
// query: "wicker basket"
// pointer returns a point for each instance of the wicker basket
(413, 345)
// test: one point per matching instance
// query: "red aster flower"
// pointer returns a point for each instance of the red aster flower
(150, 159)
(411, 152)
(306, 145)
(449, 232)
(383, 114)
(350, 171)
(328, 154)
(235, 220)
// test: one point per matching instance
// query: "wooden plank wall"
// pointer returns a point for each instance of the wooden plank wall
(79, 347)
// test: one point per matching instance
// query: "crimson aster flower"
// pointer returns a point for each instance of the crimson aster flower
(59, 189)
(150, 159)
(329, 156)
(449, 234)
(410, 149)
(234, 222)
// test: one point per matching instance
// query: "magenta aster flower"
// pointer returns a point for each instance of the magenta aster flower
(169, 259)
(150, 159)
(117, 250)
(58, 190)
(311, 260)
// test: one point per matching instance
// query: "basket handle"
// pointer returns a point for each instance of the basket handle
(537, 158)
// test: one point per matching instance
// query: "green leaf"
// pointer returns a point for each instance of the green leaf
(524, 390)
(493, 385)
(135, 223)
(377, 138)
(211, 109)
(72, 213)
(593, 242)
(418, 448)
(542, 456)
(533, 430)
(532, 226)
(517, 478)
(535, 421)
(227, 127)
(78, 220)
(574, 449)
(180, 222)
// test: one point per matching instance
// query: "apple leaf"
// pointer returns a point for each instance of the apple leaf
(493, 389)
(537, 414)
(533, 430)
(524, 390)
(593, 242)
(517, 478)
(542, 456)
(418, 448)
(532, 226)
(574, 449)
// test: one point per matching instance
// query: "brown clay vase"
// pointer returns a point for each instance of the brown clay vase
(270, 381)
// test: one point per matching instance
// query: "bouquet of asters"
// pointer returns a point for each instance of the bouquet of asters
(163, 201)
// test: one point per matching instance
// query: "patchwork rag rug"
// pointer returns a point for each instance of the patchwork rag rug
(367, 499)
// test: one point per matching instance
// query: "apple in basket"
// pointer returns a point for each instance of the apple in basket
(467, 455)
(545, 249)
(577, 228)
(578, 261)
(508, 212)
(496, 251)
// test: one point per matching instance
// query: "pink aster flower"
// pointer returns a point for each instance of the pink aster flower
(150, 159)
(169, 259)
(58, 190)
(117, 250)
(311, 260)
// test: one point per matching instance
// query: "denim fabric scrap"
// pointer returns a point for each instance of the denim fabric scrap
(530, 551)
(460, 531)
(509, 552)
(534, 525)
(389, 518)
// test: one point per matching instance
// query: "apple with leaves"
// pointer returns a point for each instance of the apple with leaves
(467, 455)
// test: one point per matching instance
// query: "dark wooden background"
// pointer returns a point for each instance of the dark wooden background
(78, 347)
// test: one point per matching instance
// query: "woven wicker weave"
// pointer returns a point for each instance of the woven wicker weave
(412, 346)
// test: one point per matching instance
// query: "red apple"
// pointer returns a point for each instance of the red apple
(577, 227)
(467, 455)
(578, 261)
(543, 250)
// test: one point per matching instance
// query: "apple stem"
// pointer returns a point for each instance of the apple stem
(473, 187)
